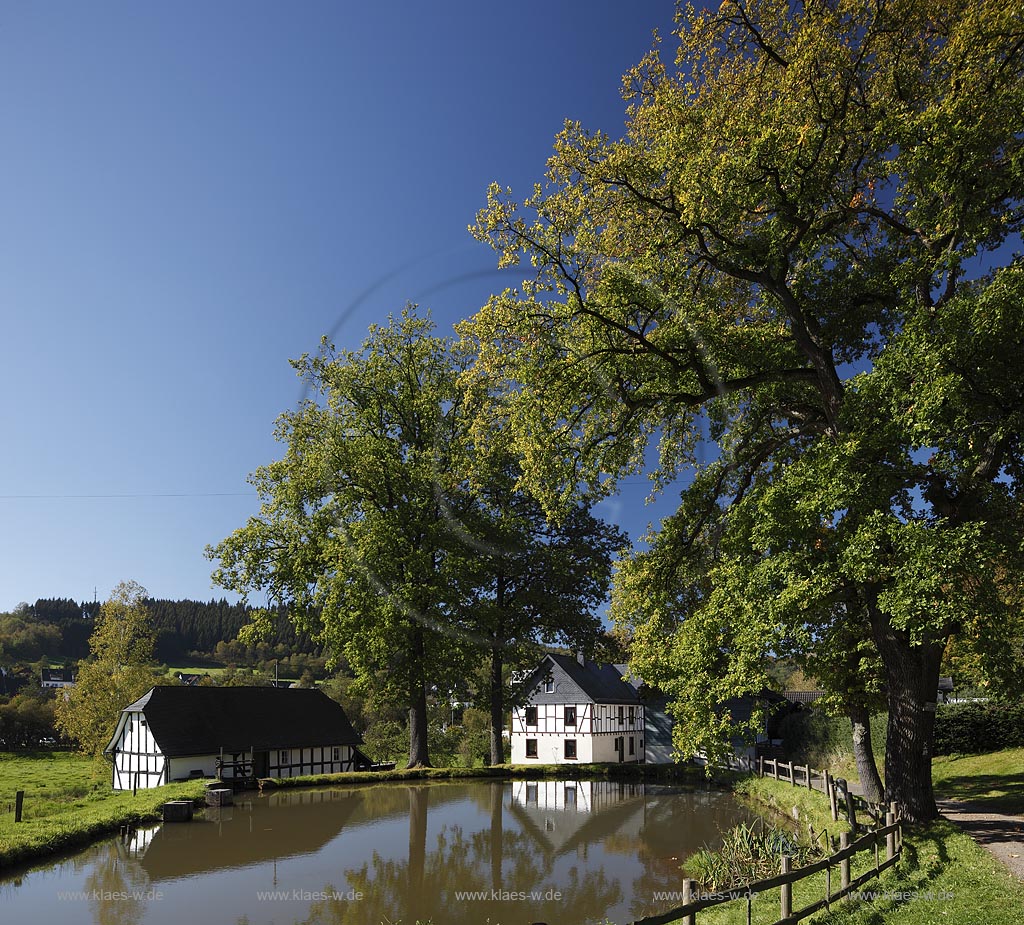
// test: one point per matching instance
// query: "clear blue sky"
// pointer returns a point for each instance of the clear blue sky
(193, 193)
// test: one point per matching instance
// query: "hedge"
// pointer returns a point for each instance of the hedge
(965, 728)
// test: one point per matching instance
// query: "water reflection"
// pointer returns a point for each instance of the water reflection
(570, 852)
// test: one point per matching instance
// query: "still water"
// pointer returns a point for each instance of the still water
(460, 853)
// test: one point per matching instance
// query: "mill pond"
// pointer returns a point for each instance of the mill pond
(459, 853)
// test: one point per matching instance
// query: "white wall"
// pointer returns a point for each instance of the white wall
(138, 761)
(597, 727)
(317, 760)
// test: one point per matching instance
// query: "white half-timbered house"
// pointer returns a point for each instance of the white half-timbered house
(180, 732)
(578, 711)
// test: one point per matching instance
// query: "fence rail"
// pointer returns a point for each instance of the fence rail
(889, 834)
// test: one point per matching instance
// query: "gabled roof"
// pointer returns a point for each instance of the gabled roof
(58, 674)
(203, 720)
(600, 681)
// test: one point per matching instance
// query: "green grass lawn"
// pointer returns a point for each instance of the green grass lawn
(46, 777)
(212, 671)
(995, 780)
(68, 802)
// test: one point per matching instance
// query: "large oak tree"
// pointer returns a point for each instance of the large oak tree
(798, 254)
(396, 537)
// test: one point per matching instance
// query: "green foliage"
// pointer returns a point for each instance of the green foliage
(775, 260)
(26, 719)
(969, 728)
(119, 671)
(402, 546)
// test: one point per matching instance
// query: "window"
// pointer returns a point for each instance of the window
(531, 752)
(622, 715)
(570, 716)
(570, 748)
(531, 793)
(531, 716)
(570, 795)
(549, 685)
(632, 714)
(632, 746)
(282, 757)
(336, 755)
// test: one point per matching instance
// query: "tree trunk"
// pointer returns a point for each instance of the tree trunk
(497, 697)
(418, 757)
(867, 771)
(912, 677)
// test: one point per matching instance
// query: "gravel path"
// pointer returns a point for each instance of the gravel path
(1000, 834)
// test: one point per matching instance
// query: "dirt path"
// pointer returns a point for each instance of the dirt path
(1000, 834)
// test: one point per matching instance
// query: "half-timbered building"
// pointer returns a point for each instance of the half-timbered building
(179, 732)
(577, 710)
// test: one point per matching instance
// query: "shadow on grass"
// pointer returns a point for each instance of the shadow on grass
(913, 893)
(999, 793)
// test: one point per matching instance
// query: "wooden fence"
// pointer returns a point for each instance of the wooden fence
(889, 834)
(841, 801)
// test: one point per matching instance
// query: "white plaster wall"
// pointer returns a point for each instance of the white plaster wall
(183, 767)
(138, 761)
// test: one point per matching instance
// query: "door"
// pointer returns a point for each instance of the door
(260, 764)
(620, 743)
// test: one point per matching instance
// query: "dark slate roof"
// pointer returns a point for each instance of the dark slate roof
(68, 674)
(600, 681)
(203, 720)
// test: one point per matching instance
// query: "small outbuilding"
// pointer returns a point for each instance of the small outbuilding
(236, 733)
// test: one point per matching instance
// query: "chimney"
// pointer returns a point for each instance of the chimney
(581, 659)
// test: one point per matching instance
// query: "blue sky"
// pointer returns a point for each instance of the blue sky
(193, 193)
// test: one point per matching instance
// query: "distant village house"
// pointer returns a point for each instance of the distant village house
(58, 677)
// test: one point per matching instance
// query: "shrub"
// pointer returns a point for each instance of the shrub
(748, 853)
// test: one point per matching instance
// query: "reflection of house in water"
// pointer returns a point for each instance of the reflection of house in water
(270, 828)
(248, 833)
(564, 815)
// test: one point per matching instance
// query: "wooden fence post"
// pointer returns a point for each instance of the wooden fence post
(19, 802)
(844, 864)
(890, 839)
(830, 789)
(851, 811)
(895, 810)
(786, 891)
(687, 896)
(808, 770)
(775, 768)
(792, 779)
(760, 765)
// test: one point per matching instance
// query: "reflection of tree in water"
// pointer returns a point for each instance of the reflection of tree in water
(424, 886)
(111, 873)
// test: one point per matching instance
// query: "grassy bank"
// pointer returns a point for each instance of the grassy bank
(66, 806)
(995, 780)
(943, 876)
